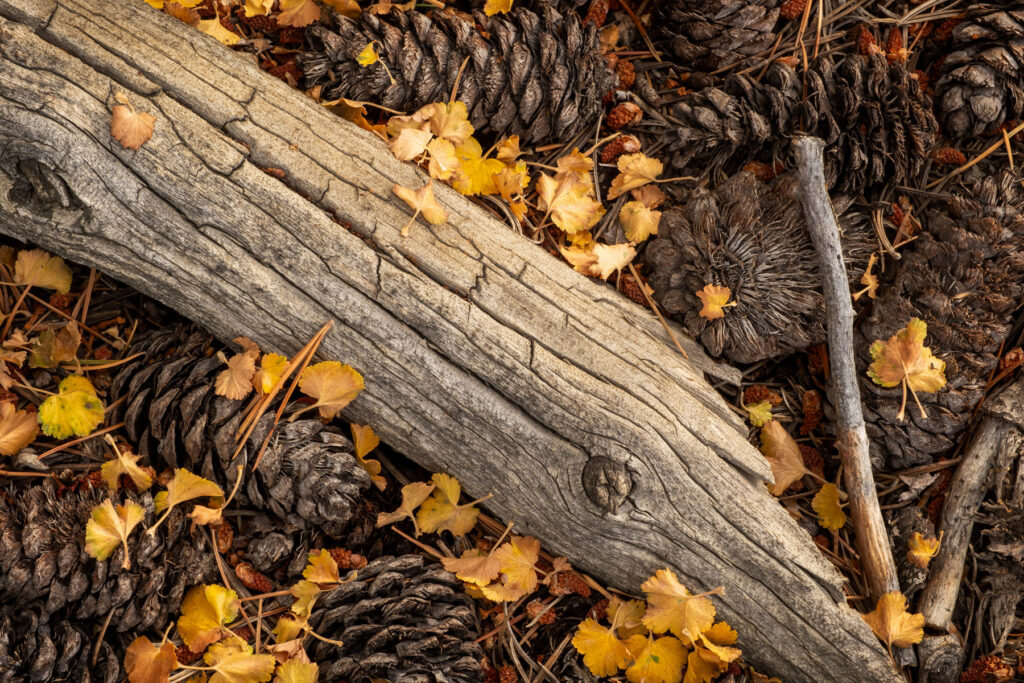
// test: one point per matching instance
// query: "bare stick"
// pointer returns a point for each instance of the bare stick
(851, 437)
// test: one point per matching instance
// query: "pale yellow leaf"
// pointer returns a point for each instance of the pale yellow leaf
(332, 384)
(638, 221)
(297, 13)
(893, 624)
(18, 428)
(413, 496)
(37, 268)
(125, 462)
(635, 170)
(109, 527)
(826, 506)
(73, 410)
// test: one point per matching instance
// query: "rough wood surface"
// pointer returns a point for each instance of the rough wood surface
(483, 355)
(851, 436)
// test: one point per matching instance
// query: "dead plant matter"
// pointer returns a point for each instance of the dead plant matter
(981, 85)
(750, 237)
(708, 35)
(538, 76)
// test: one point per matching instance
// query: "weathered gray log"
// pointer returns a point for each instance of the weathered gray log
(483, 355)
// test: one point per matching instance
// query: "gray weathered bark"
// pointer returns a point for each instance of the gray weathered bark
(482, 354)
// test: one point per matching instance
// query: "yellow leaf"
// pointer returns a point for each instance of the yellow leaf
(893, 624)
(475, 566)
(635, 170)
(626, 616)
(125, 462)
(922, 550)
(332, 384)
(655, 660)
(39, 269)
(213, 27)
(322, 568)
(305, 593)
(492, 7)
(109, 527)
(714, 299)
(598, 259)
(258, 7)
(759, 413)
(412, 496)
(568, 201)
(368, 55)
(443, 161)
(868, 279)
(448, 121)
(670, 607)
(144, 662)
(288, 628)
(346, 8)
(905, 360)
(649, 195)
(182, 13)
(297, 671)
(201, 514)
(73, 410)
(603, 653)
(272, 366)
(476, 173)
(512, 180)
(131, 128)
(409, 143)
(182, 487)
(518, 560)
(501, 592)
(18, 428)
(638, 221)
(442, 512)
(576, 165)
(297, 13)
(518, 210)
(234, 662)
(711, 654)
(826, 505)
(365, 441)
(236, 381)
(783, 455)
(204, 611)
(421, 201)
(508, 150)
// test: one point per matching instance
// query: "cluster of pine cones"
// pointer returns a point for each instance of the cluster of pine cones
(65, 616)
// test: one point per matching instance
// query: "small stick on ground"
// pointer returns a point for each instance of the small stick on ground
(851, 437)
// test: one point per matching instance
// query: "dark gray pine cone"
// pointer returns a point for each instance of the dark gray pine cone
(39, 646)
(404, 619)
(999, 557)
(43, 559)
(538, 76)
(750, 237)
(307, 477)
(707, 35)
(875, 120)
(964, 277)
(981, 82)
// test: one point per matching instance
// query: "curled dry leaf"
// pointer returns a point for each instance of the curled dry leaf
(332, 384)
(409, 143)
(759, 414)
(125, 462)
(368, 55)
(639, 221)
(272, 366)
(236, 381)
(715, 300)
(492, 7)
(109, 527)
(826, 506)
(233, 661)
(144, 662)
(257, 7)
(921, 550)
(442, 512)
(365, 441)
(635, 170)
(421, 201)
(185, 486)
(54, 347)
(297, 13)
(568, 201)
(213, 27)
(475, 566)
(130, 127)
(413, 496)
(598, 259)
(783, 455)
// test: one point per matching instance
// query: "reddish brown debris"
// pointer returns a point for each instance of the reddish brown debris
(894, 50)
(507, 674)
(866, 43)
(1011, 359)
(626, 73)
(949, 156)
(225, 537)
(536, 607)
(564, 583)
(622, 115)
(792, 9)
(347, 559)
(624, 144)
(990, 669)
(765, 172)
(632, 289)
(758, 392)
(599, 611)
(185, 655)
(597, 13)
(945, 29)
(252, 579)
(812, 411)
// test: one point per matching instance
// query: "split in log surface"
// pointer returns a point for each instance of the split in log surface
(483, 355)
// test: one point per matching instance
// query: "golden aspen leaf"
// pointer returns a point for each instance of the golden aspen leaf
(234, 662)
(655, 660)
(475, 566)
(365, 441)
(203, 515)
(449, 121)
(501, 592)
(237, 380)
(305, 593)
(322, 568)
(183, 486)
(922, 550)
(783, 455)
(215, 29)
(608, 38)
(346, 8)
(638, 221)
(626, 616)
(443, 161)
(109, 527)
(603, 653)
(37, 268)
(649, 195)
(711, 655)
(421, 201)
(125, 462)
(132, 128)
(204, 611)
(73, 410)
(442, 512)
(569, 202)
(670, 607)
(18, 428)
(598, 259)
(518, 210)
(508, 150)
(906, 361)
(715, 300)
(368, 55)
(759, 414)
(409, 143)
(288, 628)
(492, 7)
(413, 496)
(476, 173)
(518, 562)
(512, 180)
(826, 506)
(575, 165)
(272, 366)
(332, 384)
(258, 7)
(892, 623)
(182, 13)
(296, 671)
(635, 170)
(144, 662)
(297, 13)
(156, 4)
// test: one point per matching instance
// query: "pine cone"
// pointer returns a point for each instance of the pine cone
(708, 35)
(964, 277)
(402, 619)
(307, 475)
(751, 238)
(876, 122)
(540, 77)
(981, 82)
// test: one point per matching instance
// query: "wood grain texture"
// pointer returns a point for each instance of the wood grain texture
(483, 355)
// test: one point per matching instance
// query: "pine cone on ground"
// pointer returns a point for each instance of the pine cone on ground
(540, 77)
(981, 82)
(873, 116)
(964, 277)
(707, 35)
(307, 477)
(43, 558)
(403, 619)
(750, 237)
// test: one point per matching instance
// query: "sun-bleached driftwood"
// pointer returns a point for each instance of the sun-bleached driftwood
(483, 355)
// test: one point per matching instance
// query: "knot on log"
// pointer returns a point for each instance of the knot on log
(37, 187)
(606, 482)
